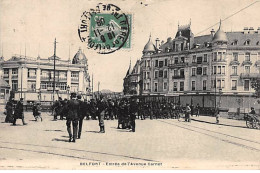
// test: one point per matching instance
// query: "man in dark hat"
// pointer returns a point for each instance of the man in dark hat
(9, 111)
(132, 111)
(100, 114)
(19, 112)
(82, 114)
(73, 117)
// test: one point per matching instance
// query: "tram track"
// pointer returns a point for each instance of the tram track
(238, 141)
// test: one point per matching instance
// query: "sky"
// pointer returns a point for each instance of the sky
(35, 24)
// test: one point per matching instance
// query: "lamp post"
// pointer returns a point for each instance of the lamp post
(68, 91)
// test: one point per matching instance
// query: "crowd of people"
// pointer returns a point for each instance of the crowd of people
(124, 110)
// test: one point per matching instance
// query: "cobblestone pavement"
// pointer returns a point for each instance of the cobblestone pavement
(156, 144)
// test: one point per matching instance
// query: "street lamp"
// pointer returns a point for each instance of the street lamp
(68, 90)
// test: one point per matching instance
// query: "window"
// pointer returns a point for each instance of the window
(44, 85)
(235, 56)
(218, 83)
(234, 42)
(148, 86)
(199, 70)
(220, 56)
(148, 75)
(160, 63)
(223, 83)
(182, 72)
(234, 85)
(219, 69)
(145, 63)
(156, 74)
(204, 84)
(205, 58)
(160, 73)
(2, 94)
(181, 86)
(247, 42)
(31, 85)
(62, 75)
(75, 76)
(223, 70)
(6, 72)
(175, 73)
(165, 75)
(193, 72)
(62, 86)
(148, 63)
(74, 87)
(204, 70)
(176, 60)
(214, 69)
(155, 87)
(194, 59)
(182, 60)
(247, 56)
(15, 85)
(199, 60)
(246, 85)
(165, 85)
(14, 71)
(193, 85)
(31, 73)
(247, 69)
(234, 70)
(215, 56)
(45, 74)
(144, 75)
(175, 86)
(156, 63)
(165, 62)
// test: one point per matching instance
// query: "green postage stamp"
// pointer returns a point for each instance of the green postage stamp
(105, 29)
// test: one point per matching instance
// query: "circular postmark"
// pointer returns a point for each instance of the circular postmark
(104, 29)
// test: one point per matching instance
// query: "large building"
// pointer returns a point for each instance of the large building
(33, 78)
(212, 70)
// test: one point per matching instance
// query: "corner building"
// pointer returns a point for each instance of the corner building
(32, 78)
(213, 70)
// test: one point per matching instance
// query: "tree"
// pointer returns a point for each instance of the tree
(256, 85)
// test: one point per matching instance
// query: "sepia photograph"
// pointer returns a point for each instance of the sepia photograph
(129, 85)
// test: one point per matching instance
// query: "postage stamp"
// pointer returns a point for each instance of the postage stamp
(105, 29)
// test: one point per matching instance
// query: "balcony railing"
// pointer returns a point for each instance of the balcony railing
(250, 75)
(6, 75)
(178, 65)
(234, 62)
(14, 75)
(32, 77)
(178, 77)
(247, 62)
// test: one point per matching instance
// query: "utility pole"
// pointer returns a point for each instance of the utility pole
(54, 59)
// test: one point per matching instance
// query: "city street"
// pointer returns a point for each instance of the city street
(156, 144)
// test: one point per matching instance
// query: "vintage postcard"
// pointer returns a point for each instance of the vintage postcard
(129, 84)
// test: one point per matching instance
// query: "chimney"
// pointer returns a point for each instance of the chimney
(251, 30)
(156, 43)
(212, 33)
(245, 30)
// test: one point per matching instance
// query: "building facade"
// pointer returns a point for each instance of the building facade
(213, 70)
(33, 78)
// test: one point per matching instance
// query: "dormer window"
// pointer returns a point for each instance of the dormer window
(247, 42)
(234, 42)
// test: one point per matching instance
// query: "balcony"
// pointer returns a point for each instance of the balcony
(14, 76)
(234, 62)
(250, 75)
(178, 65)
(247, 63)
(6, 75)
(75, 79)
(178, 77)
(31, 77)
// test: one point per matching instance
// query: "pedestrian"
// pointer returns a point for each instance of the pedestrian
(100, 114)
(9, 111)
(37, 111)
(198, 110)
(217, 115)
(132, 112)
(73, 117)
(82, 114)
(19, 114)
(187, 113)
